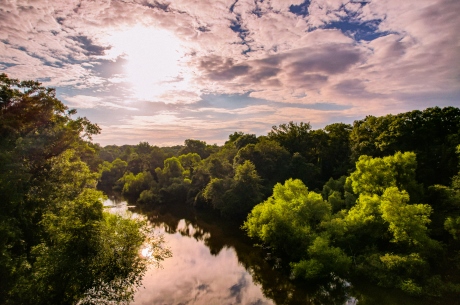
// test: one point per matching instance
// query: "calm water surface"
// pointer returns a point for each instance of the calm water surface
(215, 263)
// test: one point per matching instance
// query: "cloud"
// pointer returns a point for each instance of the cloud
(235, 63)
(87, 102)
(199, 277)
(219, 69)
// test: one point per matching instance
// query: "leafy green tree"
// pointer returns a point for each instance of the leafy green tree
(270, 159)
(452, 225)
(288, 220)
(339, 193)
(323, 259)
(446, 203)
(407, 222)
(195, 146)
(384, 217)
(292, 136)
(336, 156)
(234, 136)
(109, 153)
(155, 158)
(215, 190)
(375, 175)
(53, 228)
(301, 169)
(111, 172)
(383, 202)
(323, 153)
(172, 169)
(134, 185)
(247, 187)
(237, 196)
(189, 162)
(245, 139)
(432, 134)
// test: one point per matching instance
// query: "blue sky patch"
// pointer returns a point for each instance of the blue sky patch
(358, 31)
(301, 9)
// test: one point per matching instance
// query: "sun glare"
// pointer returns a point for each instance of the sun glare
(146, 252)
(153, 60)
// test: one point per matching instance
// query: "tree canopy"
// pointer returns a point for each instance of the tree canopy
(58, 245)
(377, 199)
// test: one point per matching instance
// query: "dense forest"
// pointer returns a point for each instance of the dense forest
(57, 244)
(378, 199)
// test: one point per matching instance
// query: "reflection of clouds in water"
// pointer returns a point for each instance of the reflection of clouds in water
(119, 207)
(194, 276)
(188, 229)
(237, 289)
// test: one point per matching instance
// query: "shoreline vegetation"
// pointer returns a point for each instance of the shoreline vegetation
(57, 244)
(379, 199)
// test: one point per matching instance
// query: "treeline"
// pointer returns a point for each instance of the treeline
(57, 244)
(380, 198)
(193, 172)
(208, 175)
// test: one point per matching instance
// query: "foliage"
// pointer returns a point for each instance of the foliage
(407, 222)
(432, 134)
(197, 147)
(270, 159)
(133, 185)
(58, 246)
(294, 137)
(323, 260)
(111, 172)
(389, 208)
(287, 220)
(235, 196)
(375, 175)
(382, 235)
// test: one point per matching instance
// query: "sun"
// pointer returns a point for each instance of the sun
(153, 60)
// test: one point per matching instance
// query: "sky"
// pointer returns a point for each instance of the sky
(165, 71)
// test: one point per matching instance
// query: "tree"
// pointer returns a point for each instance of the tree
(111, 172)
(385, 218)
(270, 159)
(53, 227)
(337, 154)
(237, 196)
(432, 134)
(195, 146)
(172, 169)
(189, 162)
(288, 221)
(292, 136)
(245, 139)
(375, 175)
(407, 222)
(134, 185)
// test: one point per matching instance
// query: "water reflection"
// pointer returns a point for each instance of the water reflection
(116, 204)
(215, 263)
(195, 276)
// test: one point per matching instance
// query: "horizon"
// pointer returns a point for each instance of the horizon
(162, 72)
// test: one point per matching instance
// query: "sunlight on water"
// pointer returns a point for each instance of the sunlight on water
(146, 252)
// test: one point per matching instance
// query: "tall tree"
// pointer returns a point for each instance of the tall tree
(432, 134)
(292, 136)
(57, 244)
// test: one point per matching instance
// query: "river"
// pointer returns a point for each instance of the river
(213, 262)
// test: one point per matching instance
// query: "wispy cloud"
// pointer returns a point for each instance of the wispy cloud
(88, 102)
(230, 64)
